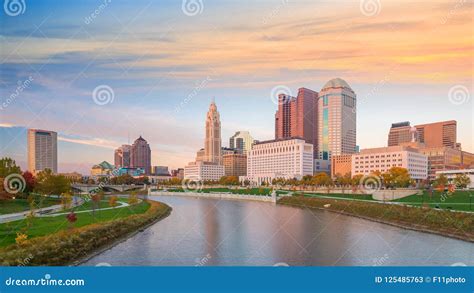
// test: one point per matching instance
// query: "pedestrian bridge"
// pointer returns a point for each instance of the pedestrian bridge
(88, 188)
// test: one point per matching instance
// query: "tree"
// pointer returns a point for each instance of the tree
(113, 201)
(397, 177)
(356, 180)
(49, 183)
(30, 181)
(66, 200)
(132, 198)
(8, 166)
(462, 180)
(441, 181)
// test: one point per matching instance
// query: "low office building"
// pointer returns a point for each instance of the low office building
(201, 171)
(235, 164)
(322, 166)
(341, 165)
(382, 159)
(280, 158)
(451, 174)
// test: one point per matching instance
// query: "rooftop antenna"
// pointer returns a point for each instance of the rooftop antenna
(128, 137)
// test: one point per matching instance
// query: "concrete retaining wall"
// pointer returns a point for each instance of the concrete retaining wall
(387, 195)
(217, 195)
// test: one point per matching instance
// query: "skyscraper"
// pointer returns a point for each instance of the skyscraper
(336, 119)
(438, 134)
(140, 155)
(242, 141)
(400, 133)
(297, 117)
(213, 142)
(42, 150)
(122, 156)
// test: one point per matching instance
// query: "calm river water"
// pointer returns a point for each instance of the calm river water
(212, 232)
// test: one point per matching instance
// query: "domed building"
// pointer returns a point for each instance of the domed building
(336, 119)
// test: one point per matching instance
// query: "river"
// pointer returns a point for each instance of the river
(211, 232)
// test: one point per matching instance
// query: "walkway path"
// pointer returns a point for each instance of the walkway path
(77, 201)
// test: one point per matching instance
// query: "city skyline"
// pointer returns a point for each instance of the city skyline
(165, 77)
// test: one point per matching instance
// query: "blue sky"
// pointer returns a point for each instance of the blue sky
(164, 66)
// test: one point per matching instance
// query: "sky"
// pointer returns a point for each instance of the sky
(102, 73)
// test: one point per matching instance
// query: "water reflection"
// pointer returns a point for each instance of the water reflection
(222, 232)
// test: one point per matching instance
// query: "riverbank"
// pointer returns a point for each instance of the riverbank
(67, 246)
(441, 222)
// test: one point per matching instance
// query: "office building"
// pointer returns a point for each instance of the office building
(122, 156)
(203, 171)
(213, 142)
(383, 159)
(140, 155)
(438, 134)
(451, 174)
(341, 165)
(160, 170)
(280, 158)
(401, 133)
(177, 173)
(242, 141)
(42, 150)
(235, 164)
(336, 119)
(297, 117)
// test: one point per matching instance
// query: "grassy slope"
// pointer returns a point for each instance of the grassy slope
(47, 225)
(459, 200)
(20, 205)
(453, 224)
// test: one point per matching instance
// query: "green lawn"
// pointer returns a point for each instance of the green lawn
(20, 205)
(459, 200)
(47, 225)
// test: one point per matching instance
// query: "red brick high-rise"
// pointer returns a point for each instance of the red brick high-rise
(298, 117)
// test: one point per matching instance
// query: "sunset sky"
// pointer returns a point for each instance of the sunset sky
(405, 60)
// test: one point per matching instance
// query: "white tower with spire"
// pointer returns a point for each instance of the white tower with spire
(213, 142)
